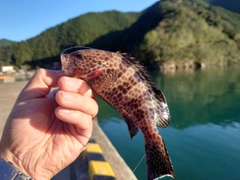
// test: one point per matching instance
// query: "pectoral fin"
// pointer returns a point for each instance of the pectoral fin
(132, 129)
(161, 111)
(162, 115)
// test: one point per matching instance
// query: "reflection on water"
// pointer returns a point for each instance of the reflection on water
(203, 138)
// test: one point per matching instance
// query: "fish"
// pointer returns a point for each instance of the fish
(123, 82)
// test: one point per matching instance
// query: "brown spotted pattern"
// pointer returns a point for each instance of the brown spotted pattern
(121, 81)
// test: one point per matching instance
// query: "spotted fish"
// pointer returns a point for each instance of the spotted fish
(123, 82)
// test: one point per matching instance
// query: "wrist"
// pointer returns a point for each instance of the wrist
(23, 166)
(8, 171)
(9, 158)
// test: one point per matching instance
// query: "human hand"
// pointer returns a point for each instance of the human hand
(47, 130)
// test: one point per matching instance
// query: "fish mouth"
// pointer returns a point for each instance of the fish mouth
(65, 57)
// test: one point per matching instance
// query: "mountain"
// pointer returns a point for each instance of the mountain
(5, 52)
(5, 42)
(231, 5)
(79, 31)
(191, 33)
(168, 34)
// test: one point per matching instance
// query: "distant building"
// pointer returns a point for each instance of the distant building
(7, 69)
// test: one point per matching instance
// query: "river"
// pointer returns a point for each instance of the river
(203, 139)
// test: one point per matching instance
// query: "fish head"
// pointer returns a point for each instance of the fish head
(83, 63)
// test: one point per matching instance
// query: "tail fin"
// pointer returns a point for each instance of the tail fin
(158, 162)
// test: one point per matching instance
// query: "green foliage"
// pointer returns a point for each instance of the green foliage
(231, 5)
(5, 53)
(5, 42)
(192, 32)
(5, 56)
(77, 31)
(171, 33)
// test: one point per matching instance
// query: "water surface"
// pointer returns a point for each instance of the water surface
(203, 139)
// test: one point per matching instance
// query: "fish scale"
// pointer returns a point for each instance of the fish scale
(123, 82)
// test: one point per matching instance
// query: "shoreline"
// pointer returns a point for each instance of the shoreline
(193, 65)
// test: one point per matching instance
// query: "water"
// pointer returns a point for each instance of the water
(203, 139)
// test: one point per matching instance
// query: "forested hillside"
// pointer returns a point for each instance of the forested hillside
(78, 31)
(170, 33)
(192, 33)
(5, 42)
(231, 5)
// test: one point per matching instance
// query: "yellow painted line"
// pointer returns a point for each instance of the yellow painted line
(93, 148)
(101, 168)
(97, 166)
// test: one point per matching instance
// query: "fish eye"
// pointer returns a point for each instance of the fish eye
(79, 55)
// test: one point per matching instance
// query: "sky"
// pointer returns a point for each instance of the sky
(24, 19)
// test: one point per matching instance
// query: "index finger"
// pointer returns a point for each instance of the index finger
(70, 84)
(41, 83)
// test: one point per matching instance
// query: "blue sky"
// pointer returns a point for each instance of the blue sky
(23, 19)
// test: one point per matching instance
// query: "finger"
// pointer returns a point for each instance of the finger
(75, 85)
(75, 101)
(82, 122)
(41, 83)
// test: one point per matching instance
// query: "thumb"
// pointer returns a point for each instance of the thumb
(40, 84)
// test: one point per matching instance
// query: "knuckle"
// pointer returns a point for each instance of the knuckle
(40, 71)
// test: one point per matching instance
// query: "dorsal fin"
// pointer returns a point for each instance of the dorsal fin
(132, 61)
